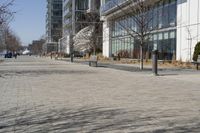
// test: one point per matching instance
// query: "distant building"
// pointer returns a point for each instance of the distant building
(53, 25)
(177, 29)
(75, 19)
(37, 46)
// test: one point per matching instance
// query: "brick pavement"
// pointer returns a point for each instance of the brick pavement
(42, 95)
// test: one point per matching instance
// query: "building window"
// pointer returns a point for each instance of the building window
(164, 16)
(81, 4)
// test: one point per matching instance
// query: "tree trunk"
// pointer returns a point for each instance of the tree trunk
(71, 51)
(141, 57)
(93, 45)
(94, 50)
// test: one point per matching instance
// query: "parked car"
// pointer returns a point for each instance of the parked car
(8, 55)
(78, 54)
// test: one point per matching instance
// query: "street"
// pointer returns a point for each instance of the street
(43, 95)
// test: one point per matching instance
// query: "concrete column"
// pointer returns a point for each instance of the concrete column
(106, 38)
(67, 44)
(187, 28)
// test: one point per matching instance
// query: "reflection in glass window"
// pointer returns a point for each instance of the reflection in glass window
(155, 18)
(164, 16)
(160, 16)
(172, 14)
(155, 38)
(172, 34)
(81, 4)
(166, 35)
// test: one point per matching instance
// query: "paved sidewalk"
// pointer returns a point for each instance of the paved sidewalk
(43, 95)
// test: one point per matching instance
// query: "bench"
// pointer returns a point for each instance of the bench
(115, 57)
(197, 62)
(93, 60)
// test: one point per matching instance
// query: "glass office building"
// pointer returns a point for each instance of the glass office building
(162, 39)
(53, 25)
(75, 14)
(170, 21)
(54, 20)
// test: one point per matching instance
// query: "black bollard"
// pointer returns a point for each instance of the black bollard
(155, 62)
(72, 57)
(72, 51)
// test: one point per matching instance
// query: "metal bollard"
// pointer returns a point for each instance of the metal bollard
(155, 62)
(72, 57)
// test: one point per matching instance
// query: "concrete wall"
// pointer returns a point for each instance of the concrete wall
(65, 44)
(188, 28)
(106, 38)
(67, 48)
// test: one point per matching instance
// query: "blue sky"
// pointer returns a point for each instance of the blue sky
(29, 21)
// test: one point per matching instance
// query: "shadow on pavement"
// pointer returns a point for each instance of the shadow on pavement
(168, 74)
(90, 120)
(36, 73)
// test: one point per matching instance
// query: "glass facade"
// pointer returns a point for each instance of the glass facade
(74, 13)
(163, 38)
(164, 42)
(81, 4)
(54, 20)
(67, 16)
(110, 4)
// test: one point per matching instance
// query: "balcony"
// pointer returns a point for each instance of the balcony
(112, 5)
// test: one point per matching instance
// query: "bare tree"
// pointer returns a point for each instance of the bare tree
(140, 11)
(12, 41)
(96, 36)
(5, 13)
(3, 28)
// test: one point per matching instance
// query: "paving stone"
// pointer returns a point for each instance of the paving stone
(43, 95)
